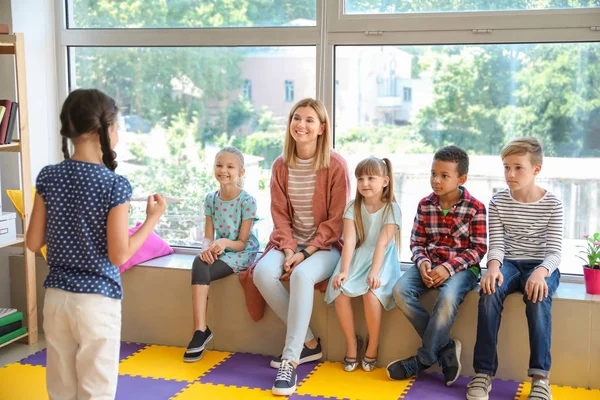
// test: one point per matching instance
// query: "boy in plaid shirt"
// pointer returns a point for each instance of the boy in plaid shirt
(448, 240)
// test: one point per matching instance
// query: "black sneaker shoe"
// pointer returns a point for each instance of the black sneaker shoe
(403, 369)
(193, 357)
(450, 361)
(307, 355)
(199, 341)
(285, 382)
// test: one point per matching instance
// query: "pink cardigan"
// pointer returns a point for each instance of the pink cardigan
(332, 193)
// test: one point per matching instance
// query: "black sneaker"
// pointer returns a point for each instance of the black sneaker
(193, 357)
(307, 355)
(199, 341)
(403, 369)
(285, 382)
(450, 361)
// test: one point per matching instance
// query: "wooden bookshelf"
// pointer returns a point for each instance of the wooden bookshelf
(14, 45)
(14, 147)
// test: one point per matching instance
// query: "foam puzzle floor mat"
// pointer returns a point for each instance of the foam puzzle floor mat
(153, 372)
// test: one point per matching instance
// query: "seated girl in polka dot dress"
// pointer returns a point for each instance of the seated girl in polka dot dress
(81, 212)
(230, 213)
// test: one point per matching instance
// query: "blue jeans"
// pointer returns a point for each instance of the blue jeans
(539, 320)
(434, 329)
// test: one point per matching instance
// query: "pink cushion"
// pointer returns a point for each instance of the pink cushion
(153, 247)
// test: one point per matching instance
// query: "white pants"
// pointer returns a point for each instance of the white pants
(83, 334)
(294, 308)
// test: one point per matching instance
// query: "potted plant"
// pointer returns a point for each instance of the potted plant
(591, 271)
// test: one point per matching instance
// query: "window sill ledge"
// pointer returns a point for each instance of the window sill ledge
(570, 288)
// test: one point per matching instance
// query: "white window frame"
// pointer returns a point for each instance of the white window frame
(334, 27)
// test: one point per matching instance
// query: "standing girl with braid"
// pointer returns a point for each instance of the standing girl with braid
(81, 212)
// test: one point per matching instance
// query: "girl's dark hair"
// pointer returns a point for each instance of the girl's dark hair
(85, 111)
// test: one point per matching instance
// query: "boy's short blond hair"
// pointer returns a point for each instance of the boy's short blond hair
(525, 145)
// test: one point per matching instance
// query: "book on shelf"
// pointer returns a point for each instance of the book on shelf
(7, 311)
(9, 319)
(13, 335)
(10, 328)
(2, 111)
(11, 123)
(3, 29)
(4, 121)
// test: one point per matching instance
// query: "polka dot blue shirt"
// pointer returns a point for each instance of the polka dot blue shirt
(78, 196)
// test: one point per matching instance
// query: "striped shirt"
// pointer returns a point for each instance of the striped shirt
(301, 188)
(526, 231)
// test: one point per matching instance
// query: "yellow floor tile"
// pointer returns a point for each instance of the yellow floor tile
(209, 391)
(561, 393)
(330, 380)
(167, 363)
(23, 382)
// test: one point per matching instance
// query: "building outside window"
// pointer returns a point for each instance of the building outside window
(289, 90)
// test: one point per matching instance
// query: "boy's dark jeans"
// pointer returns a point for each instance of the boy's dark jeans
(539, 320)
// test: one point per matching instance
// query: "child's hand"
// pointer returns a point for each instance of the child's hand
(339, 280)
(536, 286)
(439, 275)
(156, 206)
(218, 246)
(373, 281)
(488, 280)
(425, 270)
(208, 256)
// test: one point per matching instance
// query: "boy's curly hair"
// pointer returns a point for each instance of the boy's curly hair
(454, 154)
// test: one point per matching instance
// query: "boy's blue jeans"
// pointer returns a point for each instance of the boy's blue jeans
(434, 329)
(539, 320)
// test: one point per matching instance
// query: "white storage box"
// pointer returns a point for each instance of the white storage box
(8, 227)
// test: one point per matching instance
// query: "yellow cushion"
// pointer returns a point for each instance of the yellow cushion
(16, 196)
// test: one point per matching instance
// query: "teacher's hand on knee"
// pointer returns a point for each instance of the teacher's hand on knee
(290, 263)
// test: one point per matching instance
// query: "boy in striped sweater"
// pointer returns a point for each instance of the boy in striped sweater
(525, 230)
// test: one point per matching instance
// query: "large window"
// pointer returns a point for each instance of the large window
(180, 105)
(400, 79)
(477, 97)
(420, 6)
(189, 13)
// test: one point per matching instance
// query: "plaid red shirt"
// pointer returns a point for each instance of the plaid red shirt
(456, 241)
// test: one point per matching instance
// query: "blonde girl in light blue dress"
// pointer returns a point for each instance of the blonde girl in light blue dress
(369, 265)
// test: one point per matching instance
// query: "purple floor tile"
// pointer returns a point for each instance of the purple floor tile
(249, 370)
(431, 386)
(38, 358)
(127, 349)
(134, 387)
(307, 397)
